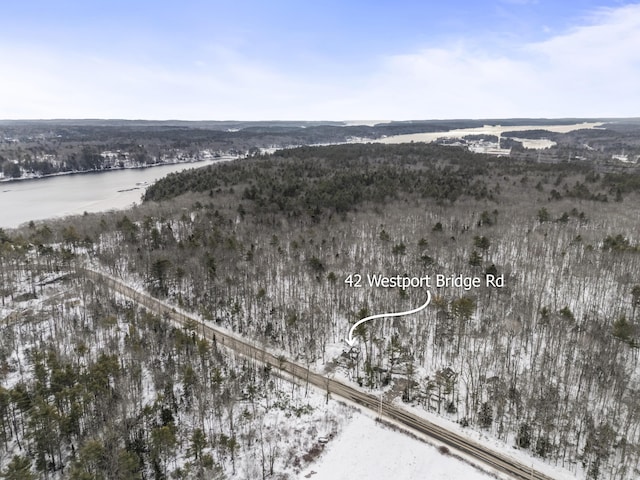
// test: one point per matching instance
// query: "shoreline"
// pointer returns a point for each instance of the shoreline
(223, 158)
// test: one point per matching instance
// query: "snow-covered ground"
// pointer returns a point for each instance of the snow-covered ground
(522, 456)
(369, 450)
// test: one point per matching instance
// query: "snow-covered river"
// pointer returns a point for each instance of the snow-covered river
(25, 200)
(491, 130)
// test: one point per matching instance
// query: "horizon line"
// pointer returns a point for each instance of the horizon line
(115, 119)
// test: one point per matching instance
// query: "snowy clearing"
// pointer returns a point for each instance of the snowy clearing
(369, 450)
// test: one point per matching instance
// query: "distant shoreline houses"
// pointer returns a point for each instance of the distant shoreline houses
(489, 148)
(625, 158)
(109, 160)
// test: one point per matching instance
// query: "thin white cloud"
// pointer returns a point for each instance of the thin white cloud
(445, 83)
(45, 84)
(591, 70)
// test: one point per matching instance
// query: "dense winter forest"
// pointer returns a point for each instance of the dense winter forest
(94, 387)
(263, 246)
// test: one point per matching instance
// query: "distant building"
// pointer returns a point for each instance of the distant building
(489, 149)
(621, 158)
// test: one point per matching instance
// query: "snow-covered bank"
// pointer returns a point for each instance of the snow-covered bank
(370, 450)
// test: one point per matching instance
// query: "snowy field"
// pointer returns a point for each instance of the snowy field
(368, 450)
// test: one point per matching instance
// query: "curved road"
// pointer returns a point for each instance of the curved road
(494, 459)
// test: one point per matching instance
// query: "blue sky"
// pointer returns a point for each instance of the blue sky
(251, 60)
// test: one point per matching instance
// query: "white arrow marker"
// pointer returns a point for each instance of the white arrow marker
(350, 340)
